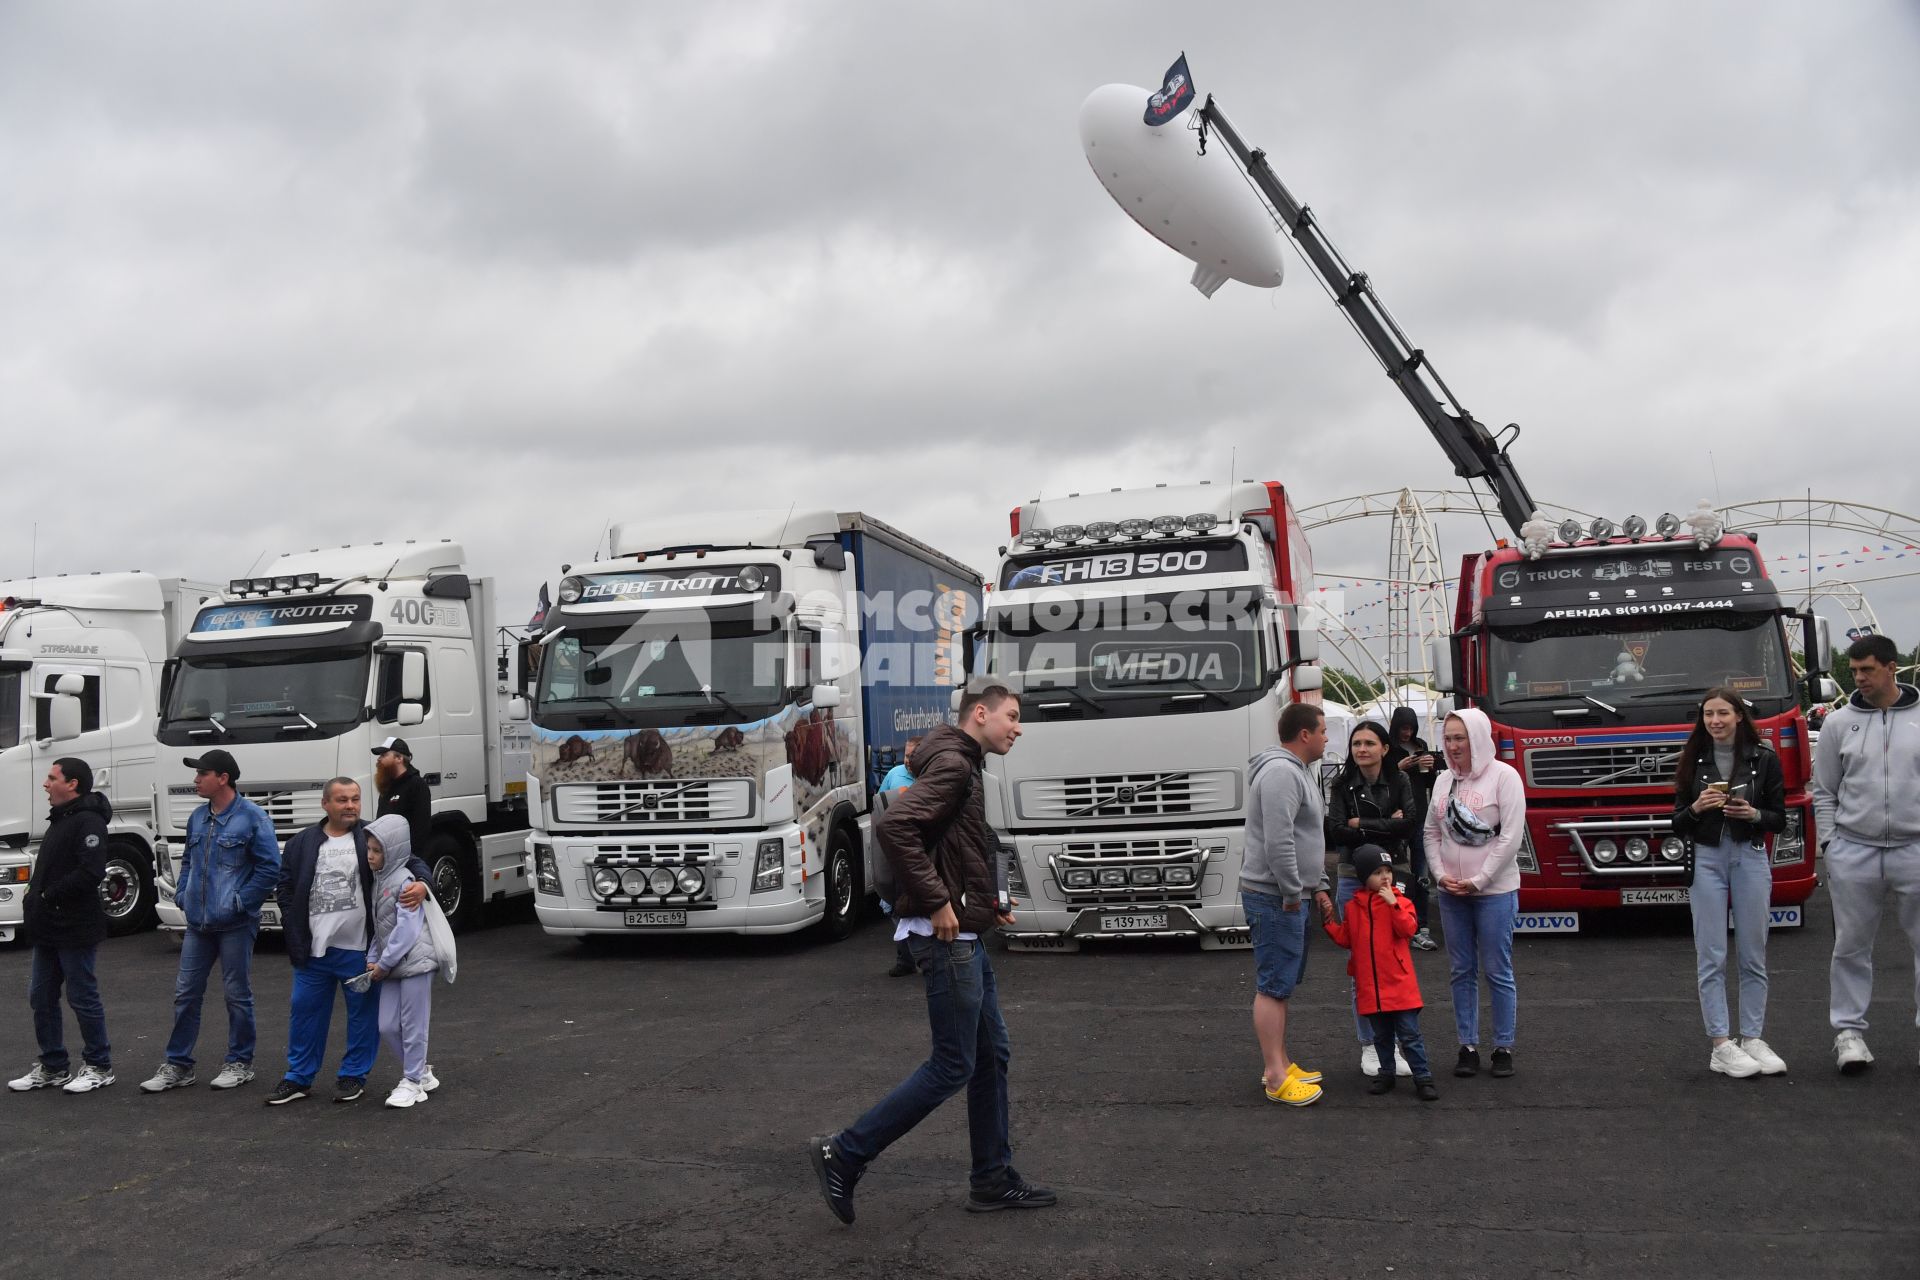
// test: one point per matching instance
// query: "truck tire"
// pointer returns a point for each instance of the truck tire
(844, 891)
(127, 891)
(454, 877)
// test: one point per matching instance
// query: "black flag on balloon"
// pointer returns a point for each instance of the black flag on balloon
(1175, 95)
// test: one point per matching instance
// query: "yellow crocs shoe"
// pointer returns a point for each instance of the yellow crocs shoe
(1295, 1092)
(1295, 1072)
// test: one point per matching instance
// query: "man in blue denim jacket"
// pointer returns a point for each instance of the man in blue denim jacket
(227, 869)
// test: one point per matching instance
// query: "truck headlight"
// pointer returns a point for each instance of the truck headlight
(769, 865)
(1605, 852)
(1177, 876)
(1078, 878)
(1638, 849)
(606, 882)
(690, 880)
(546, 871)
(660, 881)
(1016, 879)
(1791, 844)
(162, 859)
(633, 882)
(1528, 861)
(1672, 849)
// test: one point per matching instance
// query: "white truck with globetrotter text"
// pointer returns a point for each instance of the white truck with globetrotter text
(1155, 636)
(80, 664)
(713, 709)
(299, 671)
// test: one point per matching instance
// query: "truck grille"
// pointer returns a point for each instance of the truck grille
(668, 800)
(1108, 858)
(289, 811)
(1617, 764)
(1129, 795)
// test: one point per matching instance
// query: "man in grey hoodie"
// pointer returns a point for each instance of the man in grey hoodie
(1867, 810)
(1285, 859)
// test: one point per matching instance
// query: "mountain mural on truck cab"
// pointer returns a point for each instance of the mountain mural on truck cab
(820, 750)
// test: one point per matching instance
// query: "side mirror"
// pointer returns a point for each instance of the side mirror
(1822, 646)
(413, 678)
(825, 697)
(410, 713)
(1824, 689)
(1440, 656)
(1306, 645)
(1308, 679)
(953, 703)
(63, 712)
(517, 708)
(70, 685)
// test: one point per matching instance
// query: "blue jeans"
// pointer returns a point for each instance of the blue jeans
(1479, 940)
(73, 966)
(1402, 1025)
(1739, 871)
(1279, 942)
(970, 1051)
(234, 949)
(312, 1014)
(1343, 893)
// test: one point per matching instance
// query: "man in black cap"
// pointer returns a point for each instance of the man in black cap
(66, 924)
(403, 791)
(228, 865)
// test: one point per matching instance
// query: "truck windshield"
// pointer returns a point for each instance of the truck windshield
(1648, 675)
(649, 673)
(1138, 655)
(269, 696)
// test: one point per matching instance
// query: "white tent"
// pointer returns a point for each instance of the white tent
(1340, 721)
(1430, 705)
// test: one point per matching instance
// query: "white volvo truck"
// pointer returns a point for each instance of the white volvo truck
(1155, 635)
(713, 709)
(300, 670)
(80, 664)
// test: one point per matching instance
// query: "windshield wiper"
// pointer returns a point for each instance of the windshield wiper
(600, 698)
(1215, 694)
(1690, 691)
(704, 691)
(304, 719)
(212, 720)
(1562, 697)
(1072, 692)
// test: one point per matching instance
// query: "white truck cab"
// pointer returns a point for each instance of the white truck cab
(80, 663)
(300, 670)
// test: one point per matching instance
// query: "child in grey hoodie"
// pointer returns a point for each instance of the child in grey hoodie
(401, 960)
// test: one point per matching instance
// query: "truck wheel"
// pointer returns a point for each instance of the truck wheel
(127, 890)
(455, 880)
(843, 887)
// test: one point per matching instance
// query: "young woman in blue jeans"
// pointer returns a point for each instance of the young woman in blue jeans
(1728, 794)
(1473, 832)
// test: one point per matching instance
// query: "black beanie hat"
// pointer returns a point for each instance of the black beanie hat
(1367, 859)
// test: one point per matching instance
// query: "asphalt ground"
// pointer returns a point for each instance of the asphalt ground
(643, 1111)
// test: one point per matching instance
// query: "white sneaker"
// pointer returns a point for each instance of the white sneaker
(233, 1075)
(38, 1078)
(171, 1075)
(89, 1079)
(1729, 1059)
(428, 1080)
(1400, 1066)
(406, 1093)
(1369, 1062)
(1850, 1053)
(1771, 1063)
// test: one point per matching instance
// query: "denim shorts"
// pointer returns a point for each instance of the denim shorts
(1279, 943)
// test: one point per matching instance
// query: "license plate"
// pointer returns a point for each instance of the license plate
(1132, 921)
(270, 916)
(1652, 897)
(645, 918)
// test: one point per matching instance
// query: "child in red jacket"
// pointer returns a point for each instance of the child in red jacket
(1376, 928)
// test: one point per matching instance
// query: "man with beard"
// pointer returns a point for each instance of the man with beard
(403, 791)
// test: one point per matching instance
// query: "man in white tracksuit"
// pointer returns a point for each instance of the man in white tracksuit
(1866, 797)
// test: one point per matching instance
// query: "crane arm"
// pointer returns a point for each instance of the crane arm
(1474, 451)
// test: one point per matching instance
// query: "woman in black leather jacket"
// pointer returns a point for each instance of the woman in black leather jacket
(1729, 796)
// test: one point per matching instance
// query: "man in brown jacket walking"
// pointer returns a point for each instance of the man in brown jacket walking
(946, 897)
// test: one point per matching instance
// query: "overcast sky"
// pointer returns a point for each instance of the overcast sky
(279, 276)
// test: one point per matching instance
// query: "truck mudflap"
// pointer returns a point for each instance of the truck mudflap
(1132, 922)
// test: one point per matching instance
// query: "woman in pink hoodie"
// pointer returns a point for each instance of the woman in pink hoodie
(1474, 828)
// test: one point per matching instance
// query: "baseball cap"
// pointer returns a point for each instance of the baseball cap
(215, 761)
(385, 745)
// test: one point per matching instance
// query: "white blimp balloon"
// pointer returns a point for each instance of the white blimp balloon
(1198, 205)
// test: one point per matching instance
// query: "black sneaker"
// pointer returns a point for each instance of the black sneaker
(1502, 1063)
(837, 1176)
(1427, 1089)
(286, 1091)
(1016, 1194)
(1380, 1084)
(349, 1088)
(1469, 1063)
(901, 969)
